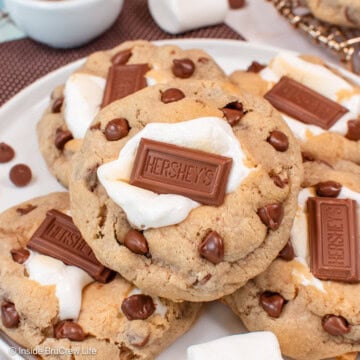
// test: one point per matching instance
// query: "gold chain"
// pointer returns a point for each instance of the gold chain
(344, 42)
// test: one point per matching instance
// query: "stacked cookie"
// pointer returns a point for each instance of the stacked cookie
(183, 188)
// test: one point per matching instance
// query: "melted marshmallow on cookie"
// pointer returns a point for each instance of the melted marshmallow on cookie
(147, 209)
(321, 80)
(69, 281)
(300, 238)
(83, 95)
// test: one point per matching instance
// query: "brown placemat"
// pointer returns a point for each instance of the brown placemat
(24, 61)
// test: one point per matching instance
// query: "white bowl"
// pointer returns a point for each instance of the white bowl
(64, 23)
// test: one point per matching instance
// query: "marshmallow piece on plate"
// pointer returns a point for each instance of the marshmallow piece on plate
(177, 16)
(252, 346)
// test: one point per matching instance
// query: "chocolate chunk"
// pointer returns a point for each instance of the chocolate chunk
(335, 325)
(195, 174)
(212, 248)
(26, 210)
(278, 181)
(69, 330)
(116, 129)
(7, 153)
(353, 130)
(122, 57)
(59, 238)
(20, 175)
(255, 67)
(62, 137)
(56, 105)
(183, 68)
(271, 215)
(328, 189)
(9, 316)
(272, 303)
(304, 104)
(172, 95)
(287, 253)
(20, 255)
(278, 140)
(124, 80)
(237, 4)
(333, 237)
(138, 307)
(203, 60)
(136, 242)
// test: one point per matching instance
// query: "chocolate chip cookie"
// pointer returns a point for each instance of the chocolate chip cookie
(340, 12)
(92, 313)
(309, 296)
(188, 190)
(126, 68)
(321, 107)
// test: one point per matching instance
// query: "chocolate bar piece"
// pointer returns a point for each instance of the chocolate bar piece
(123, 80)
(170, 169)
(304, 104)
(334, 243)
(59, 238)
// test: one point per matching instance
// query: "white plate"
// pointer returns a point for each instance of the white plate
(18, 120)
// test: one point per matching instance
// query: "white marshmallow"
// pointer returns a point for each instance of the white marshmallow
(252, 346)
(82, 100)
(146, 209)
(69, 281)
(177, 16)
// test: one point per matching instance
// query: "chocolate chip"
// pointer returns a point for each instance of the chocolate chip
(212, 247)
(237, 4)
(20, 175)
(306, 156)
(255, 67)
(278, 181)
(56, 105)
(233, 116)
(116, 129)
(172, 95)
(272, 303)
(233, 112)
(287, 253)
(96, 126)
(271, 215)
(278, 140)
(138, 341)
(328, 189)
(136, 242)
(122, 57)
(353, 130)
(183, 68)
(62, 137)
(20, 255)
(69, 330)
(9, 316)
(138, 307)
(335, 325)
(26, 210)
(7, 153)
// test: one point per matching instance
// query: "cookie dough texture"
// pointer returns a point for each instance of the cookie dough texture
(108, 330)
(329, 146)
(340, 12)
(159, 58)
(175, 269)
(299, 328)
